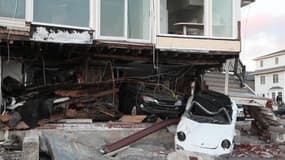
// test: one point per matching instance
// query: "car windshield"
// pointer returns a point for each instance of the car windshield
(199, 113)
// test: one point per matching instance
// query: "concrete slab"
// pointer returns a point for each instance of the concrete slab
(31, 145)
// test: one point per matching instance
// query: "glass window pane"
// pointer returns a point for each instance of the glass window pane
(12, 8)
(138, 19)
(112, 18)
(222, 18)
(183, 17)
(64, 12)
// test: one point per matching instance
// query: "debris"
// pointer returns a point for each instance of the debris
(261, 151)
(31, 145)
(265, 124)
(139, 135)
(12, 87)
(76, 121)
(22, 126)
(132, 119)
(146, 99)
(71, 113)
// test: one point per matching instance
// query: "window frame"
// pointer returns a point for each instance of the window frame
(261, 63)
(275, 78)
(17, 19)
(262, 80)
(90, 25)
(276, 60)
(125, 37)
(16, 22)
(208, 31)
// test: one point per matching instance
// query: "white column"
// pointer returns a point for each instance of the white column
(227, 78)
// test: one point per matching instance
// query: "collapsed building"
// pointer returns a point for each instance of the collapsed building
(78, 55)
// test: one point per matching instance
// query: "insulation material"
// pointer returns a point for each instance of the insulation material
(61, 35)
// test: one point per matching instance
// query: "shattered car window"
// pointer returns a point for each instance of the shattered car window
(210, 107)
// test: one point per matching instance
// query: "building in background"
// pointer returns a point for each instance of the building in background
(270, 75)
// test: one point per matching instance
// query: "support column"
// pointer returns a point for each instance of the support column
(227, 78)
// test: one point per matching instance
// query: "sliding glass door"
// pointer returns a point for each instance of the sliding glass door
(62, 12)
(222, 18)
(125, 19)
(112, 18)
(138, 19)
(12, 8)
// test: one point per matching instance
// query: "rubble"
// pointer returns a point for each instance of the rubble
(270, 151)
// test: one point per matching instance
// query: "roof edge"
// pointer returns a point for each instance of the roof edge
(270, 54)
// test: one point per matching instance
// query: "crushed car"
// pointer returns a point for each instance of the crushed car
(208, 124)
(150, 99)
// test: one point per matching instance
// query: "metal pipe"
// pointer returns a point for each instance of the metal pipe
(139, 135)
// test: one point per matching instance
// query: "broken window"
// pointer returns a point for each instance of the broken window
(62, 12)
(183, 17)
(222, 18)
(125, 19)
(210, 107)
(12, 8)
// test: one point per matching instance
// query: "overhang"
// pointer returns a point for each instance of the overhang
(269, 70)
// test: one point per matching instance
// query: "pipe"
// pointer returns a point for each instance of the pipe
(139, 135)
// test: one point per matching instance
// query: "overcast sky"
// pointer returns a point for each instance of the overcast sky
(263, 30)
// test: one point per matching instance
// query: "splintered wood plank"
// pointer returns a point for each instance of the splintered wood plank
(133, 118)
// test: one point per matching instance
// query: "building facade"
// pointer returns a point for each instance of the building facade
(270, 75)
(184, 37)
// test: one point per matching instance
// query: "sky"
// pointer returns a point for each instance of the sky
(263, 30)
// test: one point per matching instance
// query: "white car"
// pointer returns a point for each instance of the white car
(208, 125)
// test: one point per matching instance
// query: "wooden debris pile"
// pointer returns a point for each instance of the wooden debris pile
(266, 125)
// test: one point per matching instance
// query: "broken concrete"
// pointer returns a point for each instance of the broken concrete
(31, 146)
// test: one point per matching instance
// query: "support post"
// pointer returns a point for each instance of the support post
(227, 78)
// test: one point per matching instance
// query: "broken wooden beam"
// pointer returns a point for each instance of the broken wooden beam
(139, 135)
(85, 93)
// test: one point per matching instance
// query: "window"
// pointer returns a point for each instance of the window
(222, 24)
(182, 17)
(276, 60)
(12, 8)
(112, 18)
(62, 12)
(261, 63)
(126, 19)
(262, 79)
(194, 17)
(138, 19)
(275, 78)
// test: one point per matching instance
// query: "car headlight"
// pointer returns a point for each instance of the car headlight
(149, 99)
(181, 136)
(226, 144)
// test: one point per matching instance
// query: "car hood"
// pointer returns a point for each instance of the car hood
(205, 135)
